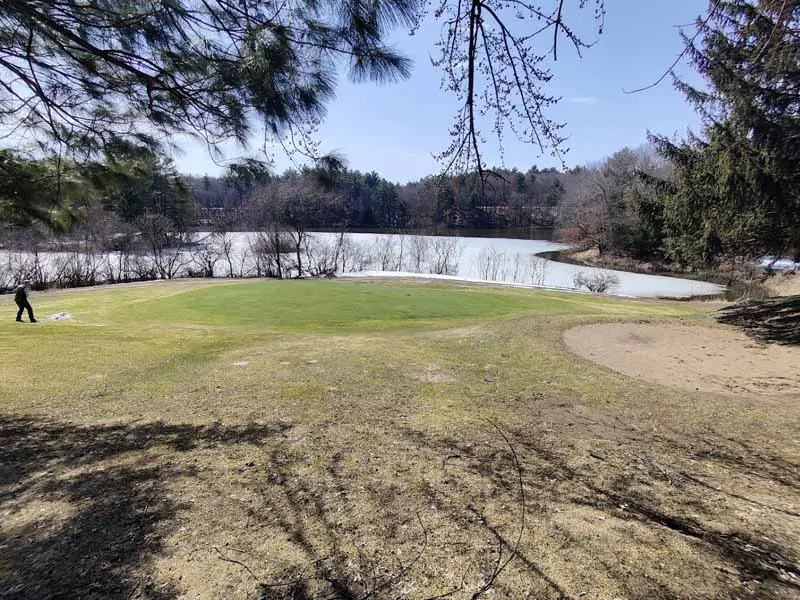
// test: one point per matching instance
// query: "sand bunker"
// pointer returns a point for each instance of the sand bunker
(695, 358)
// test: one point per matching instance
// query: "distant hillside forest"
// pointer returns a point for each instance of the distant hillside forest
(355, 200)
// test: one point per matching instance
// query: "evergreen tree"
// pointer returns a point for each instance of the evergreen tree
(44, 190)
(737, 188)
(133, 181)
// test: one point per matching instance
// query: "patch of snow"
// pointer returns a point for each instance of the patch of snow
(62, 316)
(457, 278)
(771, 263)
(632, 285)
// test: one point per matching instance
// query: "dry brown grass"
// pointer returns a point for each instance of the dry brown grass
(365, 464)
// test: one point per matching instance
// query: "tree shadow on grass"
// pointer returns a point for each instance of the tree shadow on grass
(333, 517)
(361, 537)
(776, 320)
(86, 511)
(671, 500)
(309, 513)
(344, 520)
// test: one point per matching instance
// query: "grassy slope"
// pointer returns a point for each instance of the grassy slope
(155, 337)
(326, 429)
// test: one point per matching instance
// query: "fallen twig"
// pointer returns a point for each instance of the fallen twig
(404, 570)
(500, 567)
(237, 562)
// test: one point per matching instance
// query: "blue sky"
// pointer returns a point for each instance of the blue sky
(394, 129)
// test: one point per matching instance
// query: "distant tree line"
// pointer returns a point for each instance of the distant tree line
(356, 200)
(105, 200)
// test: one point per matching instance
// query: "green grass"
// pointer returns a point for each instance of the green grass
(158, 339)
(320, 305)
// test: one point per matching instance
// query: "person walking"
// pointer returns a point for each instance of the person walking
(21, 298)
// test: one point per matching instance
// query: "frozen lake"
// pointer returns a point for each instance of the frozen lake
(500, 260)
(504, 260)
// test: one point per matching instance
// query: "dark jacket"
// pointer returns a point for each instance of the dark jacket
(20, 295)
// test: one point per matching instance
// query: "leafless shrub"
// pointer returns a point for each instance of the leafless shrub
(445, 253)
(171, 263)
(33, 267)
(516, 267)
(385, 252)
(750, 277)
(490, 263)
(225, 241)
(165, 245)
(265, 258)
(208, 254)
(322, 256)
(143, 268)
(77, 269)
(597, 282)
(502, 272)
(537, 270)
(296, 236)
(418, 253)
(354, 257)
(402, 245)
(271, 251)
(245, 264)
(117, 266)
(7, 276)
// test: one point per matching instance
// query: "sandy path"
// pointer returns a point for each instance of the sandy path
(695, 358)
